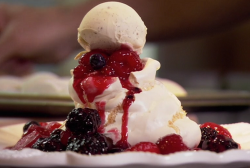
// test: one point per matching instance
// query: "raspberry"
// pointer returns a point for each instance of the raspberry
(51, 126)
(206, 134)
(97, 61)
(171, 143)
(123, 62)
(145, 147)
(89, 145)
(82, 71)
(28, 124)
(83, 121)
(221, 130)
(219, 144)
(43, 124)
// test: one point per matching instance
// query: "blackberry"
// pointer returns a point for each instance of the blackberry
(97, 61)
(206, 134)
(83, 121)
(219, 144)
(89, 145)
(52, 143)
(28, 124)
(56, 133)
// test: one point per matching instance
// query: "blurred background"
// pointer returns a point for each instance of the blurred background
(216, 61)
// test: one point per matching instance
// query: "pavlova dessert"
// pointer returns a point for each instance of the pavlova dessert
(119, 106)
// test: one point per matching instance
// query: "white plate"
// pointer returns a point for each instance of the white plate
(191, 159)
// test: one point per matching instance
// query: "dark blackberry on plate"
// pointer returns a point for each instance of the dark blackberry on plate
(220, 143)
(52, 143)
(89, 145)
(83, 121)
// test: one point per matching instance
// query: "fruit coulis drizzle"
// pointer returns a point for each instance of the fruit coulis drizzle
(95, 73)
(101, 110)
(84, 127)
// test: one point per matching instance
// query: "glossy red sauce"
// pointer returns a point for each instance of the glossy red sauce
(89, 83)
(101, 109)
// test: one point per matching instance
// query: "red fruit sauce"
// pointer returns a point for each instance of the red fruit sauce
(90, 82)
(145, 147)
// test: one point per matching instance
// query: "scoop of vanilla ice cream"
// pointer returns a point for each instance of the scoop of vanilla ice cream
(110, 25)
(155, 113)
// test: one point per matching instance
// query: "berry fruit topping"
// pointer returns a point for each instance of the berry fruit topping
(90, 145)
(83, 121)
(97, 61)
(26, 126)
(206, 134)
(145, 147)
(123, 62)
(52, 143)
(220, 130)
(171, 143)
(30, 136)
(86, 58)
(219, 144)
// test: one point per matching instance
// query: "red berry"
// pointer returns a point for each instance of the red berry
(220, 130)
(27, 141)
(41, 130)
(51, 126)
(145, 147)
(29, 137)
(65, 135)
(28, 124)
(171, 144)
(124, 62)
(82, 71)
(43, 124)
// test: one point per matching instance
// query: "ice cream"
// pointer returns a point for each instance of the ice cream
(134, 107)
(110, 25)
